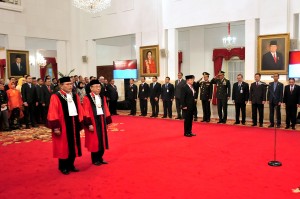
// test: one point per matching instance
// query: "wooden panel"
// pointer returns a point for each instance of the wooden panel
(105, 71)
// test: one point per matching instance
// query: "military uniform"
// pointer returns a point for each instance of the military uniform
(223, 93)
(206, 90)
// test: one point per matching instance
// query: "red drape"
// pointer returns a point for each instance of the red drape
(2, 67)
(179, 61)
(219, 55)
(43, 70)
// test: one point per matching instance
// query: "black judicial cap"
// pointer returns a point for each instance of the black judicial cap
(273, 42)
(64, 79)
(205, 73)
(95, 81)
(221, 72)
(189, 77)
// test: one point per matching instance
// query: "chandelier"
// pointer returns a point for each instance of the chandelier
(40, 60)
(92, 6)
(228, 41)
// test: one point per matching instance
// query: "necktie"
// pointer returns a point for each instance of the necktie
(154, 84)
(275, 60)
(256, 83)
(29, 85)
(292, 88)
(19, 66)
(49, 89)
(179, 81)
(275, 85)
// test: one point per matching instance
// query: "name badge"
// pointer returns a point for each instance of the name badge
(131, 90)
(167, 90)
(142, 90)
(241, 91)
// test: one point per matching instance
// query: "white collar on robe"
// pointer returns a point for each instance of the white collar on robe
(98, 105)
(71, 105)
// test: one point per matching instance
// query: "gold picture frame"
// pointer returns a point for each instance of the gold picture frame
(267, 62)
(149, 61)
(13, 70)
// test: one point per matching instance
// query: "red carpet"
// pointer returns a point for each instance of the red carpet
(150, 158)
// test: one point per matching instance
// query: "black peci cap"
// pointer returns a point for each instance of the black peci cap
(94, 82)
(189, 77)
(64, 79)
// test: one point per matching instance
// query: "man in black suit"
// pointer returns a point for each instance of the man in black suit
(187, 101)
(87, 87)
(18, 68)
(196, 88)
(103, 85)
(143, 96)
(291, 100)
(30, 101)
(240, 96)
(47, 90)
(273, 60)
(274, 98)
(167, 96)
(206, 91)
(179, 83)
(39, 109)
(155, 91)
(112, 96)
(223, 95)
(132, 96)
(257, 97)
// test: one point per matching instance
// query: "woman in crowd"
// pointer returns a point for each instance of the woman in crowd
(81, 91)
(14, 106)
(21, 81)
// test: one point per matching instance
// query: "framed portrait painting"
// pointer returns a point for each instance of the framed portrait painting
(17, 63)
(149, 61)
(273, 54)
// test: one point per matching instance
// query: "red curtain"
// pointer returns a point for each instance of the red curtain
(179, 60)
(43, 70)
(219, 55)
(2, 67)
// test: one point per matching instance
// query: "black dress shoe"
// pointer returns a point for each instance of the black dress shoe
(271, 126)
(192, 134)
(243, 123)
(97, 163)
(152, 116)
(254, 125)
(164, 117)
(187, 135)
(170, 117)
(287, 127)
(195, 119)
(278, 126)
(293, 128)
(203, 120)
(260, 125)
(103, 162)
(27, 127)
(35, 126)
(223, 122)
(65, 172)
(74, 169)
(236, 123)
(207, 120)
(219, 122)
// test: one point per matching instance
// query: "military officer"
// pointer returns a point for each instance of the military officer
(206, 90)
(223, 95)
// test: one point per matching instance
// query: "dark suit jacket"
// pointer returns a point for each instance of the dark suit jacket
(39, 93)
(156, 91)
(291, 99)
(143, 91)
(15, 69)
(29, 95)
(167, 93)
(240, 96)
(268, 62)
(46, 94)
(257, 93)
(277, 95)
(103, 91)
(112, 92)
(3, 97)
(132, 92)
(187, 98)
(196, 86)
(178, 88)
(88, 89)
(223, 88)
(206, 90)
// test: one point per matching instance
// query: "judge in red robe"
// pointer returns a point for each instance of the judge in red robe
(96, 118)
(64, 118)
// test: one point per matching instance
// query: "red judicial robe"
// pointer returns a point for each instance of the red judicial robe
(68, 142)
(97, 139)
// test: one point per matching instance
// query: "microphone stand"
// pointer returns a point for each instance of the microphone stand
(275, 163)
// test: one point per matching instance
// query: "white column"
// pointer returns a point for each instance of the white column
(250, 47)
(61, 58)
(138, 44)
(172, 53)
(91, 54)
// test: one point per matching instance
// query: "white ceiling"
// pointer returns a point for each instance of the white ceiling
(117, 41)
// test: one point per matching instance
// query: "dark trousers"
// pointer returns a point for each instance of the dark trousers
(14, 119)
(291, 115)
(46, 108)
(240, 107)
(222, 106)
(188, 120)
(206, 110)
(167, 108)
(178, 108)
(195, 111)
(66, 164)
(4, 120)
(132, 105)
(260, 108)
(97, 156)
(39, 114)
(273, 107)
(113, 106)
(29, 112)
(155, 107)
(144, 106)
